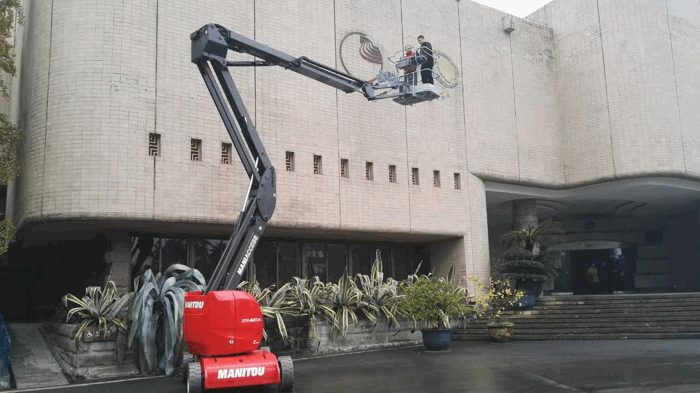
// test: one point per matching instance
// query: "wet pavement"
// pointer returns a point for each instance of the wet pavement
(531, 366)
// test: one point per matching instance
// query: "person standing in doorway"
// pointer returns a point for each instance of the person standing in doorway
(426, 50)
(592, 279)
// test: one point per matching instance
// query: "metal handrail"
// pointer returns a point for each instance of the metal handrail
(5, 346)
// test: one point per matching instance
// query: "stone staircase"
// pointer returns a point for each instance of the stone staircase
(601, 317)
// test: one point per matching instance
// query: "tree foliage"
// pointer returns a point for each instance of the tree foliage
(11, 13)
(534, 238)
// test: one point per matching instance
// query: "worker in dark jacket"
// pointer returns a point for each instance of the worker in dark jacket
(426, 68)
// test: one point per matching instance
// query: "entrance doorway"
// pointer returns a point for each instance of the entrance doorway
(591, 272)
(603, 271)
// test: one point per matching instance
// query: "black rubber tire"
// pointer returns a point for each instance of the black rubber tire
(186, 359)
(286, 373)
(195, 383)
(265, 349)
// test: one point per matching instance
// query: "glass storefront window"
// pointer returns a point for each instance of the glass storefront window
(360, 259)
(315, 261)
(288, 261)
(265, 261)
(207, 253)
(174, 251)
(145, 254)
(337, 261)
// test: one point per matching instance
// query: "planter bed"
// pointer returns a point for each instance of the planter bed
(91, 359)
(359, 338)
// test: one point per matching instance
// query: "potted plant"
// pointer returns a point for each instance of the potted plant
(525, 260)
(492, 303)
(95, 313)
(432, 302)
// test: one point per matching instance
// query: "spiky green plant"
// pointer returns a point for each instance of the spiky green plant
(345, 299)
(311, 298)
(95, 308)
(383, 296)
(273, 304)
(156, 315)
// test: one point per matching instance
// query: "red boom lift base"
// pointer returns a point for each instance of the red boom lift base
(223, 330)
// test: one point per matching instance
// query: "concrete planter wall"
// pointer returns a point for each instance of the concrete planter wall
(359, 338)
(92, 358)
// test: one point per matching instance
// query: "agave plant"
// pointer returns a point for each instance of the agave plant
(345, 299)
(383, 296)
(310, 298)
(156, 315)
(273, 304)
(95, 308)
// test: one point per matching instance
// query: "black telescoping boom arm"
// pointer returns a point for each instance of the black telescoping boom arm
(210, 45)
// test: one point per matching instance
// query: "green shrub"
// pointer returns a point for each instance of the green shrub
(432, 302)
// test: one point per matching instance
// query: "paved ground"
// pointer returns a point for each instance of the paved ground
(32, 362)
(639, 366)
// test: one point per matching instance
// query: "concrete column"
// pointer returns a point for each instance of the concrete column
(469, 254)
(118, 260)
(524, 213)
(479, 255)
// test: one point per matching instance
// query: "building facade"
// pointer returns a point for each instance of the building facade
(582, 112)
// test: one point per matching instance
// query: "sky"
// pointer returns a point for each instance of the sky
(519, 8)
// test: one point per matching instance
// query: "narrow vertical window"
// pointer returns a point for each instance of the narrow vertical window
(436, 178)
(225, 153)
(153, 144)
(289, 161)
(196, 150)
(414, 177)
(317, 165)
(392, 173)
(458, 182)
(369, 171)
(344, 168)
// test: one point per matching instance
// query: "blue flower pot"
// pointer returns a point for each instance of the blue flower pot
(528, 301)
(437, 340)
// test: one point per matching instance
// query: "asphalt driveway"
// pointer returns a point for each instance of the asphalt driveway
(531, 366)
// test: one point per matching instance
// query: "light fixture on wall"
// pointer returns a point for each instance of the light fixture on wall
(508, 23)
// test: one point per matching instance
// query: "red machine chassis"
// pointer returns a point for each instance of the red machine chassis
(252, 369)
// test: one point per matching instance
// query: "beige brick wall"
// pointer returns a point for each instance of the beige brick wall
(646, 134)
(550, 104)
(365, 129)
(580, 76)
(684, 23)
(435, 130)
(489, 107)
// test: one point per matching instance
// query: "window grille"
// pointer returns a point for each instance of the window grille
(153, 144)
(392, 173)
(225, 153)
(458, 182)
(289, 161)
(369, 171)
(436, 178)
(196, 150)
(344, 168)
(414, 177)
(317, 165)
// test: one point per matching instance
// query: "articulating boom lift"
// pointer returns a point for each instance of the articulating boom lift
(222, 326)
